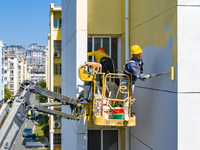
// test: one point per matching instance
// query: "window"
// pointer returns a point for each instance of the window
(110, 44)
(57, 23)
(57, 138)
(11, 86)
(11, 72)
(103, 139)
(57, 89)
(11, 79)
(57, 45)
(57, 69)
(11, 64)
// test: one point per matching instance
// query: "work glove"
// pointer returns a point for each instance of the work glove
(153, 75)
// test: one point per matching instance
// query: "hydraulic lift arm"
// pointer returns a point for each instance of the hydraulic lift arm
(20, 106)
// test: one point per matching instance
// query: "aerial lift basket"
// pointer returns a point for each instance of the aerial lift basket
(106, 102)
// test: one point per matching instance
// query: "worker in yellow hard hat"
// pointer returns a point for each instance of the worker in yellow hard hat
(134, 68)
(106, 62)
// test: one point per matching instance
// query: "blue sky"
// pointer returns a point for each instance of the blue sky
(25, 21)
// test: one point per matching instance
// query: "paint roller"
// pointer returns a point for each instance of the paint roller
(171, 73)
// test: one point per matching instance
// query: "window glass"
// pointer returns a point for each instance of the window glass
(94, 139)
(57, 45)
(57, 69)
(90, 48)
(106, 45)
(57, 23)
(97, 43)
(110, 139)
(114, 51)
(57, 138)
(57, 89)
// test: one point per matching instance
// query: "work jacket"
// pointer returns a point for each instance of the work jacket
(98, 55)
(134, 68)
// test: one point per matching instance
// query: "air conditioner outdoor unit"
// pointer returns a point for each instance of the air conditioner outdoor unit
(57, 54)
(57, 124)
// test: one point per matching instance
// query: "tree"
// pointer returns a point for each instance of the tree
(42, 83)
(42, 99)
(45, 127)
(7, 93)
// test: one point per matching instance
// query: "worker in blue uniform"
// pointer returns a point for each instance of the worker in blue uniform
(134, 68)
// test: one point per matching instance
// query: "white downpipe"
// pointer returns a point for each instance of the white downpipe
(126, 31)
(50, 79)
(126, 59)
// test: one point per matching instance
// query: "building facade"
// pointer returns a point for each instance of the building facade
(165, 30)
(23, 70)
(1, 72)
(11, 72)
(14, 49)
(53, 72)
(35, 59)
(35, 55)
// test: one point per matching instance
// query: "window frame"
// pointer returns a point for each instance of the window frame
(102, 129)
(59, 25)
(59, 69)
(110, 44)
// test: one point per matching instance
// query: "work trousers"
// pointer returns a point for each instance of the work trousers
(108, 66)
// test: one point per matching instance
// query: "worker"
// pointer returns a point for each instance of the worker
(134, 69)
(106, 62)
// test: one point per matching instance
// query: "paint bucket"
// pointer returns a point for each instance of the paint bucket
(104, 102)
(118, 113)
(98, 111)
(113, 103)
(106, 110)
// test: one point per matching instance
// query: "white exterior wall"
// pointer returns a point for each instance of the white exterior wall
(16, 74)
(74, 53)
(188, 74)
(1, 79)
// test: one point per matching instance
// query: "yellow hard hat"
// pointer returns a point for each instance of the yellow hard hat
(135, 49)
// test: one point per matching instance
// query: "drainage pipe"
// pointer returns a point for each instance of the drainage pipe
(126, 59)
(126, 31)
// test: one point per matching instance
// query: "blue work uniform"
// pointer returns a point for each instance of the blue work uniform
(134, 68)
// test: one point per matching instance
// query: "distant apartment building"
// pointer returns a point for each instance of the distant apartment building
(23, 72)
(11, 72)
(36, 46)
(36, 73)
(1, 73)
(14, 49)
(35, 57)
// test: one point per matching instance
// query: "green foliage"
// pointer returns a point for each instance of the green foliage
(7, 93)
(45, 125)
(42, 83)
(45, 129)
(42, 99)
